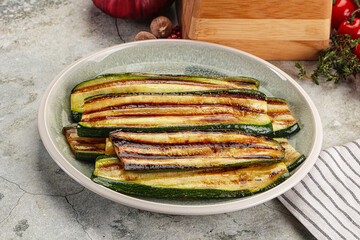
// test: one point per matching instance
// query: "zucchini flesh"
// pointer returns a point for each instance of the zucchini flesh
(109, 147)
(193, 149)
(84, 148)
(216, 109)
(284, 124)
(208, 183)
(121, 83)
(292, 157)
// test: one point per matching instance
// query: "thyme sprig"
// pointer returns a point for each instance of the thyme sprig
(336, 63)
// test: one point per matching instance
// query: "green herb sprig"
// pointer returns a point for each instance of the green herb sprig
(336, 63)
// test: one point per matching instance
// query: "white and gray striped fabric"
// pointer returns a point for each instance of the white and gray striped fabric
(327, 200)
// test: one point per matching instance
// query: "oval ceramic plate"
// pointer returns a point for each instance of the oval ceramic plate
(176, 57)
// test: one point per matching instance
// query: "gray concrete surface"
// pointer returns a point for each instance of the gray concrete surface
(39, 38)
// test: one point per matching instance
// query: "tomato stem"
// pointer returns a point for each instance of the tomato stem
(357, 2)
(352, 16)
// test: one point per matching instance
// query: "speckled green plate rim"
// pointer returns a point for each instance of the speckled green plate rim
(169, 208)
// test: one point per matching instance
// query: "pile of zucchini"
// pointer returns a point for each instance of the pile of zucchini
(182, 136)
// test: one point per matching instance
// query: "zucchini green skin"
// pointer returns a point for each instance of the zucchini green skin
(79, 144)
(76, 116)
(297, 163)
(86, 88)
(139, 189)
(88, 156)
(159, 192)
(292, 157)
(284, 123)
(104, 132)
(286, 132)
(242, 80)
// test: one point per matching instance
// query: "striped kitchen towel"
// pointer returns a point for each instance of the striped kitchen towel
(327, 200)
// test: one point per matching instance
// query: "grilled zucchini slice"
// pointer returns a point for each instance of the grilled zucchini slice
(136, 82)
(284, 124)
(208, 183)
(193, 149)
(84, 148)
(237, 109)
(292, 157)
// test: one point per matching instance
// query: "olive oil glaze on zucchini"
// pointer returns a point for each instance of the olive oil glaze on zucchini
(193, 149)
(217, 129)
(89, 149)
(136, 82)
(207, 183)
(236, 109)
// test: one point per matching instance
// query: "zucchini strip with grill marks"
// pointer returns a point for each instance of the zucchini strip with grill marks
(207, 183)
(237, 109)
(241, 80)
(84, 148)
(136, 82)
(284, 124)
(193, 149)
(292, 157)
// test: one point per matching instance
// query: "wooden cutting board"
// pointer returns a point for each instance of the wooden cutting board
(271, 29)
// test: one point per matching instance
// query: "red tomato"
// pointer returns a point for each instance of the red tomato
(341, 10)
(357, 51)
(353, 29)
(354, 4)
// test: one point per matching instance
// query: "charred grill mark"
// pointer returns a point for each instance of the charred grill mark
(95, 119)
(246, 142)
(274, 114)
(84, 144)
(138, 156)
(219, 170)
(110, 166)
(115, 134)
(206, 119)
(151, 81)
(272, 174)
(284, 144)
(206, 169)
(276, 101)
(144, 156)
(208, 150)
(133, 166)
(223, 145)
(284, 122)
(217, 94)
(252, 138)
(162, 105)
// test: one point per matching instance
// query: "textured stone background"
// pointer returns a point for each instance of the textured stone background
(39, 38)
